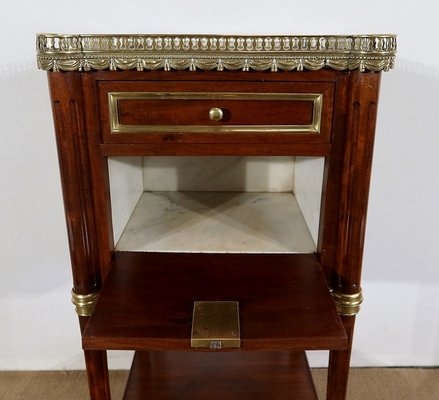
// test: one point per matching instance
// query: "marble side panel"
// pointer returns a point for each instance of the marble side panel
(217, 222)
(308, 182)
(126, 186)
(245, 174)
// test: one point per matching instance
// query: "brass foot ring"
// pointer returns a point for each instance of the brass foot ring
(347, 305)
(84, 303)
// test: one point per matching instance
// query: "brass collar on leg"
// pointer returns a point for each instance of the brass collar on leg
(347, 304)
(84, 303)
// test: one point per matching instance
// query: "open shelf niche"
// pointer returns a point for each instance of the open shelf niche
(216, 204)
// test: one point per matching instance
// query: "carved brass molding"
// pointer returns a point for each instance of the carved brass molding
(347, 304)
(84, 303)
(151, 52)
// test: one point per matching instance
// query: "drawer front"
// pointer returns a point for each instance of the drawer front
(223, 112)
(197, 111)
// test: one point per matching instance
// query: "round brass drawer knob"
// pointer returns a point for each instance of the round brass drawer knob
(216, 114)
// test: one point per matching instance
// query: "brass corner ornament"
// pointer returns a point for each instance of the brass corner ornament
(214, 52)
(347, 305)
(84, 303)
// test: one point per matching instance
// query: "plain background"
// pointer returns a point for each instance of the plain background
(399, 321)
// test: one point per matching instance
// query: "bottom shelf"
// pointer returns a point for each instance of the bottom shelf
(170, 375)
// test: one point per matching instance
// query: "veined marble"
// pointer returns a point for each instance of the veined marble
(217, 222)
(126, 186)
(308, 183)
(242, 174)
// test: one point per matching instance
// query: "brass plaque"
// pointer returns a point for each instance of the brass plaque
(215, 325)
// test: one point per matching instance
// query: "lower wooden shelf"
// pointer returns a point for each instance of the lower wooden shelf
(147, 301)
(170, 375)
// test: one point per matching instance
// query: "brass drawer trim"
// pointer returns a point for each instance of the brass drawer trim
(117, 127)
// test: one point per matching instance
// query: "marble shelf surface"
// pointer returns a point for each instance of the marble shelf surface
(229, 222)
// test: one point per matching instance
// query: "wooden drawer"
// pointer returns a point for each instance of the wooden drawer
(210, 112)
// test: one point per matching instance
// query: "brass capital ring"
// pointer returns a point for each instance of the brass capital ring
(84, 303)
(348, 305)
